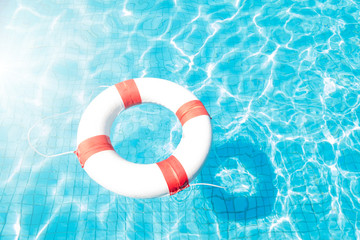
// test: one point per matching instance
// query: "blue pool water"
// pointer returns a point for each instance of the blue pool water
(279, 78)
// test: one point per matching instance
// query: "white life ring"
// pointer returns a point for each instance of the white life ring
(107, 168)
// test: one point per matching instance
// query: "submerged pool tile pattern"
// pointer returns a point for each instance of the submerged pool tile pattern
(280, 80)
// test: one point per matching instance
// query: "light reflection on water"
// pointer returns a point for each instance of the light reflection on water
(279, 78)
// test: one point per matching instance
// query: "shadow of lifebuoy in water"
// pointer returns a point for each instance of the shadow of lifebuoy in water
(247, 173)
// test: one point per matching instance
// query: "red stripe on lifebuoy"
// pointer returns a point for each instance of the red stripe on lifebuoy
(190, 110)
(174, 174)
(129, 92)
(92, 145)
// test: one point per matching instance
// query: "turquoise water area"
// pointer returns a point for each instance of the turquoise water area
(279, 78)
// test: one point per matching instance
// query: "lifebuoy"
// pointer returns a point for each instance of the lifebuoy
(107, 168)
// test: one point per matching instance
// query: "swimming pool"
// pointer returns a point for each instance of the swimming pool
(280, 80)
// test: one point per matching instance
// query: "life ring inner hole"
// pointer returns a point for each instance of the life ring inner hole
(146, 133)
